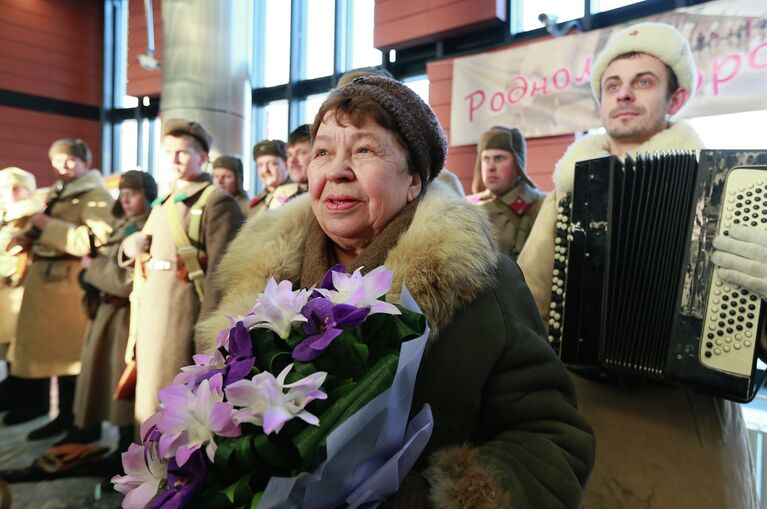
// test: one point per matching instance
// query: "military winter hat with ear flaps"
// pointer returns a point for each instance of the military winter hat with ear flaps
(660, 40)
(501, 138)
(415, 120)
(270, 148)
(230, 163)
(139, 181)
(176, 126)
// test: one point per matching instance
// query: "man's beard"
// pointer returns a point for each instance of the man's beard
(640, 129)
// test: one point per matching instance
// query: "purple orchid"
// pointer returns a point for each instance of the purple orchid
(234, 367)
(266, 404)
(327, 281)
(205, 366)
(325, 322)
(143, 475)
(184, 482)
(188, 419)
(361, 291)
(223, 337)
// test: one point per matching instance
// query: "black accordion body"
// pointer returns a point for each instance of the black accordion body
(635, 293)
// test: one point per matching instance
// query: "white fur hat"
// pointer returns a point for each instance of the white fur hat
(660, 40)
(13, 176)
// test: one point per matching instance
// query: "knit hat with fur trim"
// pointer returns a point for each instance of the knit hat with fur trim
(501, 138)
(72, 147)
(138, 181)
(660, 40)
(13, 176)
(415, 121)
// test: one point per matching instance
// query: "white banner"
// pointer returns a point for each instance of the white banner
(544, 88)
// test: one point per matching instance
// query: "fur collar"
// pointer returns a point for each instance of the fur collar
(88, 182)
(446, 258)
(680, 135)
(20, 209)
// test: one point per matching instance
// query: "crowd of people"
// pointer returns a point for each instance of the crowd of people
(100, 293)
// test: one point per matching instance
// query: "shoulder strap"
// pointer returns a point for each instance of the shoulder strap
(513, 217)
(184, 247)
(196, 217)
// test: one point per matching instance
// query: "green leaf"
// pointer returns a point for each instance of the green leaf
(235, 451)
(272, 353)
(256, 500)
(310, 441)
(275, 450)
(348, 356)
(239, 492)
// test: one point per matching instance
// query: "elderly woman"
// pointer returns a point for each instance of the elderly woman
(506, 428)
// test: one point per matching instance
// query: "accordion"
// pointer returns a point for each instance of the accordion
(635, 293)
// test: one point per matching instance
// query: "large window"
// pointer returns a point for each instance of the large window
(333, 36)
(276, 120)
(273, 59)
(363, 53)
(312, 106)
(527, 15)
(317, 39)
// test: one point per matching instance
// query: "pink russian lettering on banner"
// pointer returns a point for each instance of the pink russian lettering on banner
(545, 85)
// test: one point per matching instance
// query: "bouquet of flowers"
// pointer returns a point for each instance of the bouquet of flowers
(305, 403)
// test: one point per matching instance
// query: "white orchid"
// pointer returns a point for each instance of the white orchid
(278, 307)
(143, 475)
(362, 291)
(190, 419)
(266, 404)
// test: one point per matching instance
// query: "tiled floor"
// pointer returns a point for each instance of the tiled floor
(74, 493)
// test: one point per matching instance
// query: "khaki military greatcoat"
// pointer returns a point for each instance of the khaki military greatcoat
(14, 220)
(512, 214)
(169, 306)
(52, 321)
(275, 199)
(103, 354)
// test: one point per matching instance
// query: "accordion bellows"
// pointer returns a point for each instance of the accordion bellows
(635, 292)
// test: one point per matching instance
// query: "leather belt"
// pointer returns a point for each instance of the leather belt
(114, 300)
(66, 257)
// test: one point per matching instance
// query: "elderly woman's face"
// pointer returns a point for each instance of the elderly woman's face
(358, 180)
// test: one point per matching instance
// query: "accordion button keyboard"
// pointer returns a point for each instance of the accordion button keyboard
(731, 311)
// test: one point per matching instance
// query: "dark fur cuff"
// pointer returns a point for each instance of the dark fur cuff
(459, 480)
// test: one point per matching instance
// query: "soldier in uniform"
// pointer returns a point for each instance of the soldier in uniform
(103, 356)
(299, 156)
(228, 175)
(185, 236)
(17, 189)
(271, 158)
(503, 189)
(76, 222)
